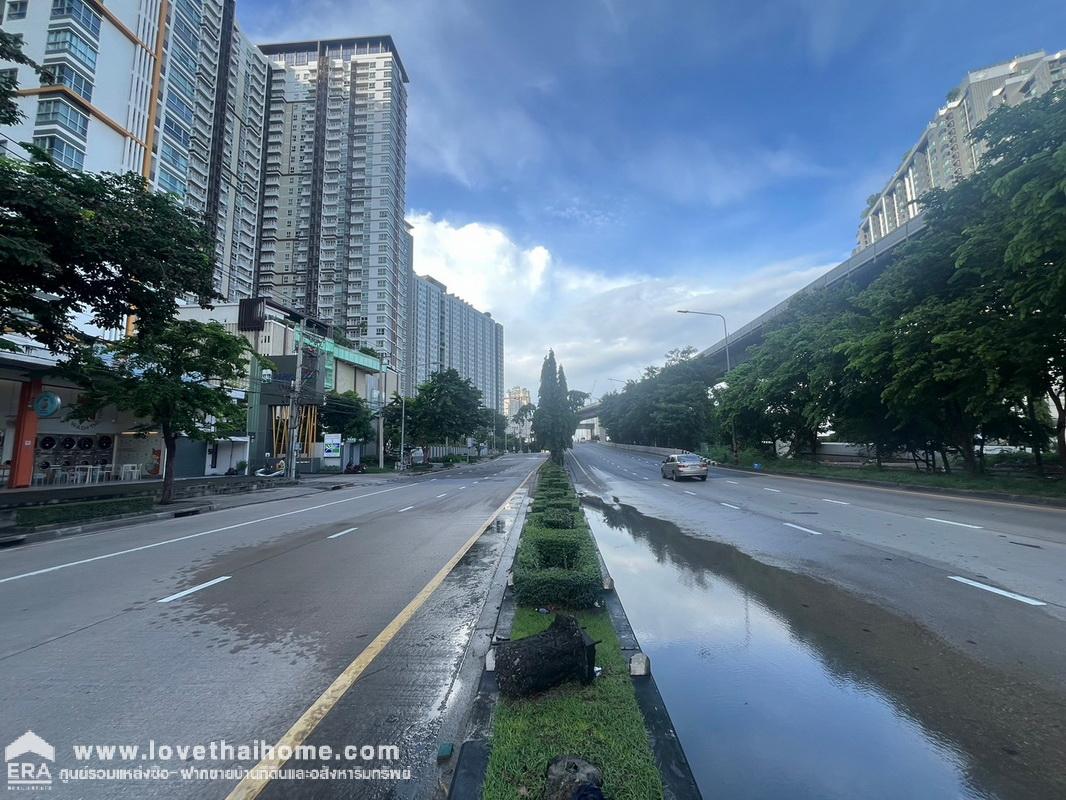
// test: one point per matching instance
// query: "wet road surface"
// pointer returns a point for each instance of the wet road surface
(808, 665)
(229, 626)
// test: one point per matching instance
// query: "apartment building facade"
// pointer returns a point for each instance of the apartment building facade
(449, 333)
(163, 89)
(334, 242)
(945, 153)
(516, 397)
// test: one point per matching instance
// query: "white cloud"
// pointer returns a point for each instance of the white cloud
(600, 326)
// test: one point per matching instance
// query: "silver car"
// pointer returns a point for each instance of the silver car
(684, 465)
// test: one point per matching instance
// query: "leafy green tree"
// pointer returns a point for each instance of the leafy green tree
(104, 245)
(576, 398)
(348, 414)
(11, 51)
(447, 407)
(178, 379)
(554, 421)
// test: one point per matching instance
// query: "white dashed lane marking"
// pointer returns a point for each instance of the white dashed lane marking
(1021, 598)
(801, 528)
(959, 524)
(189, 591)
(341, 533)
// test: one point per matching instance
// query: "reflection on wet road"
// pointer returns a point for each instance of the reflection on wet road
(782, 686)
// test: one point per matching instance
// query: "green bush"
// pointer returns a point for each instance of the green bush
(557, 518)
(558, 548)
(540, 506)
(540, 579)
(79, 512)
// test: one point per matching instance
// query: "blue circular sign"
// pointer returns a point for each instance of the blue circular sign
(47, 404)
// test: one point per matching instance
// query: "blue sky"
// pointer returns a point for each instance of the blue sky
(583, 168)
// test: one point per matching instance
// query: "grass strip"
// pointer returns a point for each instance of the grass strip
(600, 723)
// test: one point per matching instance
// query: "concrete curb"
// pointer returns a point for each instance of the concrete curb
(976, 494)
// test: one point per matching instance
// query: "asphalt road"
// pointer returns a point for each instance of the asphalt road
(908, 551)
(228, 626)
(818, 639)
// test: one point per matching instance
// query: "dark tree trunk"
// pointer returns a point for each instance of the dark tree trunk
(170, 445)
(944, 459)
(536, 663)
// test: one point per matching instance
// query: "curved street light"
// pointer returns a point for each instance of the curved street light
(728, 365)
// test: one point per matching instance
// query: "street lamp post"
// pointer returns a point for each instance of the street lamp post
(728, 365)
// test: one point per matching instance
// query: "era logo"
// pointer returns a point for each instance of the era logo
(32, 772)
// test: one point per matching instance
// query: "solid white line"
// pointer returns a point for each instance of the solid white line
(194, 589)
(193, 536)
(341, 533)
(439, 496)
(1021, 598)
(730, 505)
(801, 528)
(838, 502)
(768, 489)
(959, 524)
(405, 508)
(691, 493)
(733, 482)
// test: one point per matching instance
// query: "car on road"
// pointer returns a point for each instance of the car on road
(683, 465)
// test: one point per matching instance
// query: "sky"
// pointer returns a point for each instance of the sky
(583, 168)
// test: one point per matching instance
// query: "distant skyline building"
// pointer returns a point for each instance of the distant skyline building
(172, 91)
(333, 238)
(945, 154)
(516, 397)
(449, 333)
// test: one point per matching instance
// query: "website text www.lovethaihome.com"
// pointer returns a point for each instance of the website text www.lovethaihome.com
(33, 763)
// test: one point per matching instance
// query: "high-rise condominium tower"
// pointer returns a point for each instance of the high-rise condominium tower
(945, 153)
(333, 236)
(171, 90)
(448, 333)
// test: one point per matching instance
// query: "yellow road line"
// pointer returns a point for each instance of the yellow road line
(252, 785)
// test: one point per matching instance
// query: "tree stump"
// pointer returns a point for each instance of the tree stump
(561, 653)
(570, 777)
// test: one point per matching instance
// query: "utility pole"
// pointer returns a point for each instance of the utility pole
(381, 416)
(294, 405)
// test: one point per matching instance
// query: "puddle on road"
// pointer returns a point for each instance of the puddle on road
(780, 685)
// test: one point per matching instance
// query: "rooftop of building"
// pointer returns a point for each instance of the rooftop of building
(317, 45)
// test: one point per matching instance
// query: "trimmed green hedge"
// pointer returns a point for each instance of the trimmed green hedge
(557, 518)
(79, 512)
(556, 562)
(558, 548)
(542, 506)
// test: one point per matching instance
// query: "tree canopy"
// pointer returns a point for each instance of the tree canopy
(348, 414)
(177, 379)
(554, 419)
(97, 245)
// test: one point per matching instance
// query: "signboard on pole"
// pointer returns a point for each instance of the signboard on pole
(331, 445)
